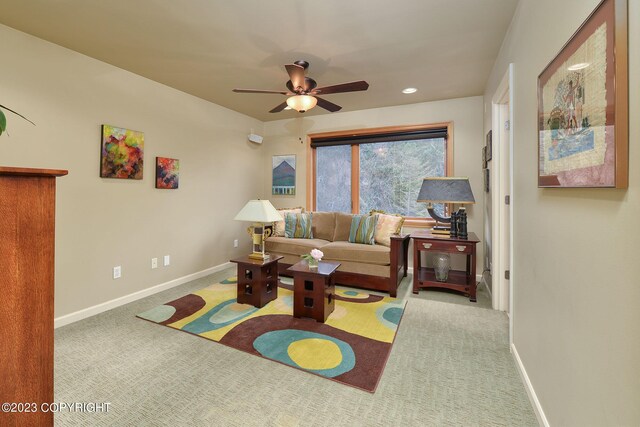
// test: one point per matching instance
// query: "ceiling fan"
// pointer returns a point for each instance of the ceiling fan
(303, 91)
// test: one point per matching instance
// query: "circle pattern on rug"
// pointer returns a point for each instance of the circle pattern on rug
(314, 352)
(159, 314)
(390, 315)
(351, 294)
(304, 353)
(221, 315)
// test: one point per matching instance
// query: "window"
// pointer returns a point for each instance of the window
(378, 169)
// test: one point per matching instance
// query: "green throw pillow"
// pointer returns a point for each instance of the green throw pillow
(363, 228)
(298, 226)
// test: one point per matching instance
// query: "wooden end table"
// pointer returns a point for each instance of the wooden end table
(462, 281)
(313, 290)
(257, 280)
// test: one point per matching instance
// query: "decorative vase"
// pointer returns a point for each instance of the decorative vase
(313, 264)
(441, 266)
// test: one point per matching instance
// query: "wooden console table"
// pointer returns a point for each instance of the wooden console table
(27, 213)
(462, 281)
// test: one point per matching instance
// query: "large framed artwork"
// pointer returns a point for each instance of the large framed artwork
(284, 175)
(122, 153)
(583, 121)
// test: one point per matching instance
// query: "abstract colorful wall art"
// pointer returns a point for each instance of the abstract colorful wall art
(122, 154)
(582, 106)
(167, 173)
(284, 175)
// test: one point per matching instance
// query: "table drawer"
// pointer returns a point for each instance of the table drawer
(453, 247)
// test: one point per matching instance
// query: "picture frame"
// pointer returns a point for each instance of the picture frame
(489, 146)
(484, 157)
(121, 153)
(583, 117)
(283, 173)
(167, 173)
(487, 180)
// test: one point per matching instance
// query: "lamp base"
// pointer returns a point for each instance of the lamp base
(260, 256)
(444, 231)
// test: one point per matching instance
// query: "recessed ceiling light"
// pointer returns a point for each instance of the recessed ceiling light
(409, 90)
(580, 66)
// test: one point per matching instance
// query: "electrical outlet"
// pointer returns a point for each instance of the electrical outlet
(235, 243)
(117, 272)
(167, 260)
(154, 262)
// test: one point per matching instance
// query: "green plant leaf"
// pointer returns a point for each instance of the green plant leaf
(16, 113)
(3, 122)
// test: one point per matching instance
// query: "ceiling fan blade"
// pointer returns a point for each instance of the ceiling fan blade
(296, 74)
(279, 108)
(344, 87)
(281, 92)
(329, 106)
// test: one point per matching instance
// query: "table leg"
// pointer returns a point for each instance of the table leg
(416, 269)
(472, 279)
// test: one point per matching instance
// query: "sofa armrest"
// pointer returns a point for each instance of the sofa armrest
(398, 260)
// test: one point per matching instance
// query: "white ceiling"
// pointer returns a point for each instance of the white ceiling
(445, 48)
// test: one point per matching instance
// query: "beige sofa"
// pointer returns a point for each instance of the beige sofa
(375, 267)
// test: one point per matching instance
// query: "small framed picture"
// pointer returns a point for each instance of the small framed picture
(489, 144)
(487, 179)
(284, 175)
(167, 173)
(484, 157)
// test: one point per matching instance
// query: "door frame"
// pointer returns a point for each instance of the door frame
(502, 183)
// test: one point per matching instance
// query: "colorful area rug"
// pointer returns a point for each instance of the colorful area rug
(352, 347)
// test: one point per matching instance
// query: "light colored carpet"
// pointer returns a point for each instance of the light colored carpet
(450, 366)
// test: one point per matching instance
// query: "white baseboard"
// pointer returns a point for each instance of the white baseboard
(99, 308)
(542, 419)
(478, 276)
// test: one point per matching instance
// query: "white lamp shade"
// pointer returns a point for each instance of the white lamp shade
(302, 103)
(258, 211)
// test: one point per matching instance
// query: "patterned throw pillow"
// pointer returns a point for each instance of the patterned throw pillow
(363, 228)
(278, 226)
(298, 226)
(386, 226)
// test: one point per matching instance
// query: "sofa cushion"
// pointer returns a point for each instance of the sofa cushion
(363, 228)
(283, 245)
(386, 226)
(343, 226)
(323, 225)
(298, 226)
(356, 252)
(278, 226)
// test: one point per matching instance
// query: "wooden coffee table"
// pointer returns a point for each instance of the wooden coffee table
(257, 280)
(313, 290)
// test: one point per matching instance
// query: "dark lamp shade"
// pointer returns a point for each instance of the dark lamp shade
(446, 190)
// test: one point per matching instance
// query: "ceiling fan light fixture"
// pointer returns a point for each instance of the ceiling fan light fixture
(302, 103)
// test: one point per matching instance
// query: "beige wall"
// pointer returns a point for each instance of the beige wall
(106, 222)
(290, 137)
(576, 316)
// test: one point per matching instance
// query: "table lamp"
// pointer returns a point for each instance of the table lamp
(447, 189)
(258, 212)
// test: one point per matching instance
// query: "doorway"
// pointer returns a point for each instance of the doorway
(501, 178)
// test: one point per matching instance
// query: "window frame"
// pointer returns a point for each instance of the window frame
(414, 222)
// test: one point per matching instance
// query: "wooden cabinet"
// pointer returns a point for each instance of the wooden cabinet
(423, 277)
(257, 280)
(27, 226)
